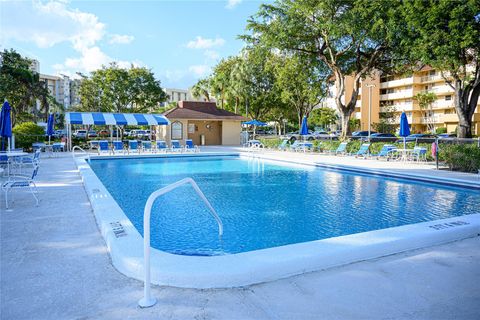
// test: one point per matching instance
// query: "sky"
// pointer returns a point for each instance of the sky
(180, 41)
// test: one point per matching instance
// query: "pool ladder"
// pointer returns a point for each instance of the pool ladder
(148, 300)
(81, 149)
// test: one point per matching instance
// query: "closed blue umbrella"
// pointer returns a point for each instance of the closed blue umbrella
(404, 128)
(50, 125)
(5, 122)
(304, 128)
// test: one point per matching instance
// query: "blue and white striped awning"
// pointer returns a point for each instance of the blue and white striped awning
(120, 119)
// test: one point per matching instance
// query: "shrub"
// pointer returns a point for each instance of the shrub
(328, 144)
(27, 133)
(441, 130)
(461, 157)
(271, 143)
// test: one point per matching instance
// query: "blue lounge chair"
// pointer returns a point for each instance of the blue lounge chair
(103, 147)
(133, 146)
(284, 145)
(21, 182)
(294, 146)
(341, 149)
(176, 147)
(387, 152)
(189, 146)
(146, 146)
(161, 146)
(363, 151)
(118, 147)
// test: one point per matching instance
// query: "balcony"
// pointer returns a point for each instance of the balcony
(404, 94)
(443, 104)
(444, 89)
(451, 117)
(396, 83)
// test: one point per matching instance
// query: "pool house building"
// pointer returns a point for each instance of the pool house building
(202, 122)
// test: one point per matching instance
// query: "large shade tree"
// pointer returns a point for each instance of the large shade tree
(300, 82)
(350, 37)
(115, 89)
(445, 34)
(22, 88)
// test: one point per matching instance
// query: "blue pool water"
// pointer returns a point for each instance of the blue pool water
(267, 204)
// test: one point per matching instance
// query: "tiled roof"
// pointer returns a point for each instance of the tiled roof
(201, 110)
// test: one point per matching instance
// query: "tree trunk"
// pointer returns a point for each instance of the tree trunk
(345, 121)
(236, 104)
(464, 129)
(347, 109)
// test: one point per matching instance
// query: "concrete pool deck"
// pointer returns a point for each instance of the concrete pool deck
(54, 265)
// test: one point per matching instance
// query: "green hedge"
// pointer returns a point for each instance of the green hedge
(461, 157)
(27, 133)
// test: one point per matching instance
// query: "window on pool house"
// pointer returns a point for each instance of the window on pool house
(177, 130)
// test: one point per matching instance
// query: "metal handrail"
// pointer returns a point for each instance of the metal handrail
(81, 149)
(148, 300)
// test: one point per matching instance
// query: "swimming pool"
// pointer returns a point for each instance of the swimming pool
(266, 204)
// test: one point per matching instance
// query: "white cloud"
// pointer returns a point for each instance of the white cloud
(47, 24)
(199, 70)
(91, 59)
(232, 3)
(211, 54)
(120, 39)
(205, 43)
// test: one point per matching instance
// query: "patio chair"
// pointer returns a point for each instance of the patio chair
(94, 145)
(419, 154)
(304, 146)
(38, 145)
(147, 146)
(118, 147)
(294, 146)
(387, 152)
(26, 161)
(58, 147)
(284, 145)
(21, 182)
(176, 147)
(363, 151)
(103, 147)
(4, 163)
(133, 146)
(189, 146)
(161, 146)
(341, 149)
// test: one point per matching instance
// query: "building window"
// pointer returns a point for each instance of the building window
(432, 73)
(448, 98)
(177, 130)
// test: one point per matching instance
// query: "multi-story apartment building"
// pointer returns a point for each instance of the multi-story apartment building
(59, 88)
(175, 95)
(400, 91)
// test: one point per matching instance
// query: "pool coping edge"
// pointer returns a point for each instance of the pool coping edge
(125, 245)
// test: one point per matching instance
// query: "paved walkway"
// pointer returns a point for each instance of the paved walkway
(54, 265)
